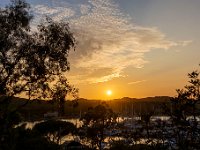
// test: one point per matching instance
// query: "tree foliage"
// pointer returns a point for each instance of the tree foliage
(185, 104)
(185, 101)
(59, 92)
(54, 130)
(30, 60)
(97, 120)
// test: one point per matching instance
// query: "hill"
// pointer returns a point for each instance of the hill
(126, 106)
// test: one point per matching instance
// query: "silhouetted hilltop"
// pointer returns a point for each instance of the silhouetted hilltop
(125, 106)
(146, 99)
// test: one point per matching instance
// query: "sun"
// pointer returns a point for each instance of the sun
(109, 92)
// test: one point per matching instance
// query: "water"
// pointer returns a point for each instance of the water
(130, 123)
(79, 123)
(30, 125)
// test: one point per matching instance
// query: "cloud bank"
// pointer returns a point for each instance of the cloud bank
(108, 40)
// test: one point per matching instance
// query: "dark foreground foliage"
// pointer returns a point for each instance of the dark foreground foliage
(29, 61)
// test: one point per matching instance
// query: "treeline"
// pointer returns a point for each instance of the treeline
(125, 106)
(36, 109)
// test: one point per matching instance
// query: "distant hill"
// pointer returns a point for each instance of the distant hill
(125, 106)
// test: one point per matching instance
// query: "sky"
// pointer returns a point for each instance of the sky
(134, 48)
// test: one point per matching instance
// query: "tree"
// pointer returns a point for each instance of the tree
(191, 93)
(54, 130)
(96, 120)
(29, 139)
(184, 105)
(146, 118)
(29, 60)
(60, 90)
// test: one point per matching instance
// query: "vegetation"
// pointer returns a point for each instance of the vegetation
(184, 105)
(54, 130)
(74, 109)
(31, 60)
(96, 121)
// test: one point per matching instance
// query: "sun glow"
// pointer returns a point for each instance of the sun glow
(109, 92)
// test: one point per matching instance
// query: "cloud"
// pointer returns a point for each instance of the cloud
(104, 78)
(41, 9)
(57, 13)
(84, 9)
(108, 40)
(185, 43)
(136, 82)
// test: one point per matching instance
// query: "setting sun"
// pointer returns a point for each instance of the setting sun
(109, 92)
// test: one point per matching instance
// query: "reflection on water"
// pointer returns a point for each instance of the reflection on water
(79, 123)
(76, 122)
(30, 125)
(128, 122)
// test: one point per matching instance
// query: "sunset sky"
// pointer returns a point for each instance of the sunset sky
(134, 48)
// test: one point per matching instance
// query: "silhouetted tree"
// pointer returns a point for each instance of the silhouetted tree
(54, 130)
(61, 90)
(146, 119)
(98, 119)
(190, 95)
(27, 139)
(184, 105)
(193, 91)
(29, 60)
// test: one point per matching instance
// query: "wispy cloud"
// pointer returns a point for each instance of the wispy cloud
(57, 13)
(136, 82)
(85, 9)
(107, 39)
